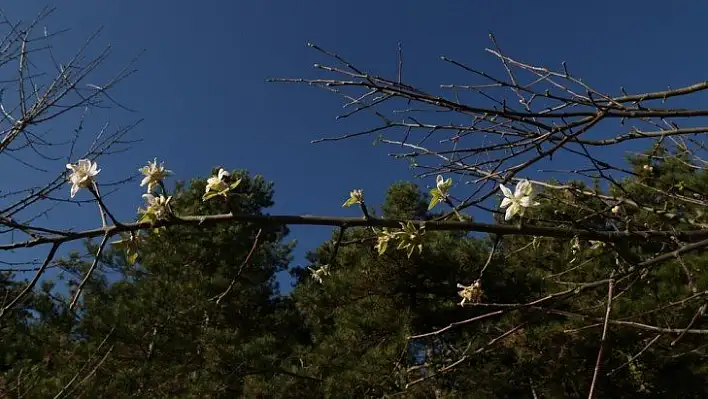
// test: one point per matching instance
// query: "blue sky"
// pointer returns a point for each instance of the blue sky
(202, 92)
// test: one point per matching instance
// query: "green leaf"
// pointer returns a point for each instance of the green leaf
(210, 195)
(148, 217)
(132, 257)
(435, 198)
(382, 247)
(350, 202)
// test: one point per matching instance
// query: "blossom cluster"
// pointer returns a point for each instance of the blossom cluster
(409, 237)
(470, 293)
(83, 175)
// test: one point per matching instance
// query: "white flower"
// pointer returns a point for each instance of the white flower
(517, 202)
(615, 209)
(217, 183)
(648, 168)
(154, 174)
(382, 240)
(575, 245)
(355, 197)
(443, 185)
(471, 293)
(319, 272)
(82, 175)
(157, 206)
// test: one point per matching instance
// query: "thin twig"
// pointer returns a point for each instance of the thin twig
(245, 262)
(94, 264)
(603, 339)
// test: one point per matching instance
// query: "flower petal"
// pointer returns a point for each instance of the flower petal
(511, 211)
(525, 202)
(505, 202)
(523, 188)
(506, 191)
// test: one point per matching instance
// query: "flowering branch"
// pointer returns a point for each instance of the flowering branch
(503, 229)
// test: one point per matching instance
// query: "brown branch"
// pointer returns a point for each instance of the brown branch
(34, 281)
(503, 229)
(640, 326)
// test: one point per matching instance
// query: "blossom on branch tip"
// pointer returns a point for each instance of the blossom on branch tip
(575, 245)
(443, 185)
(440, 192)
(216, 185)
(82, 175)
(517, 202)
(470, 293)
(615, 209)
(157, 208)
(154, 174)
(382, 240)
(318, 273)
(355, 197)
(410, 238)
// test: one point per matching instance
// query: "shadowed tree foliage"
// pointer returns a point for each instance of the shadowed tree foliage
(362, 316)
(170, 326)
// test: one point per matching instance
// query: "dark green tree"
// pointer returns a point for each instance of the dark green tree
(197, 315)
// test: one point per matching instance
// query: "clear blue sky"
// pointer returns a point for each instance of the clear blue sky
(201, 83)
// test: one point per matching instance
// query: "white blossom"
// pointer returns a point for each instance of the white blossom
(154, 174)
(575, 245)
(157, 206)
(517, 202)
(217, 183)
(82, 175)
(355, 197)
(318, 273)
(358, 195)
(443, 185)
